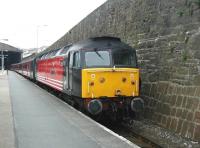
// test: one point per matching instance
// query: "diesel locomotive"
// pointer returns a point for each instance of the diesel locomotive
(99, 75)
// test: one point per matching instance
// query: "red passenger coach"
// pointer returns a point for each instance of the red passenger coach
(26, 68)
(50, 68)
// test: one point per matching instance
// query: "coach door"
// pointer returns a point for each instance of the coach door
(70, 71)
(67, 71)
(74, 73)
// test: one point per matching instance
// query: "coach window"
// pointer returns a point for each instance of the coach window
(76, 60)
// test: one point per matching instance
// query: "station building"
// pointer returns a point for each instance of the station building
(10, 54)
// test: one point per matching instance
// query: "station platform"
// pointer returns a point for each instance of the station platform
(30, 117)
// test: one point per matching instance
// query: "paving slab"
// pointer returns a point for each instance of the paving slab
(41, 120)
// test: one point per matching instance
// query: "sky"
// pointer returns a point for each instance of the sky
(22, 20)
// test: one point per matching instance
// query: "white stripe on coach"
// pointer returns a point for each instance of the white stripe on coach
(50, 78)
(59, 88)
(54, 83)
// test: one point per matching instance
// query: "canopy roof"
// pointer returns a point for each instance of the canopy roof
(7, 47)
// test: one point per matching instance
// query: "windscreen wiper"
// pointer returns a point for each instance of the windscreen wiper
(98, 53)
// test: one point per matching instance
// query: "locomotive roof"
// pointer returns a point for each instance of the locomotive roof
(101, 43)
(94, 43)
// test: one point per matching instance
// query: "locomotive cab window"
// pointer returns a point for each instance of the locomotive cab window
(97, 58)
(64, 51)
(76, 60)
(124, 58)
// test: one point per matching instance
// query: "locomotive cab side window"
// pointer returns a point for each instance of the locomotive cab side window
(76, 60)
(70, 59)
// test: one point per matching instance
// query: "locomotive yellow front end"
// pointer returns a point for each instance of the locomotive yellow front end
(110, 82)
(110, 78)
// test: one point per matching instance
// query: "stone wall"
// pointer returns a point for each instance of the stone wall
(166, 35)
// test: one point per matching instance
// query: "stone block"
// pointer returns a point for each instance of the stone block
(196, 102)
(164, 76)
(190, 116)
(168, 97)
(192, 103)
(191, 91)
(191, 129)
(146, 89)
(153, 103)
(157, 117)
(170, 89)
(153, 90)
(148, 113)
(153, 77)
(193, 70)
(197, 117)
(174, 124)
(184, 128)
(158, 107)
(197, 93)
(173, 112)
(179, 90)
(162, 97)
(189, 103)
(165, 109)
(184, 102)
(150, 104)
(179, 126)
(196, 80)
(174, 91)
(179, 101)
(164, 121)
(157, 96)
(178, 112)
(162, 87)
(184, 91)
(197, 133)
(184, 114)
(173, 100)
(169, 119)
(197, 54)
